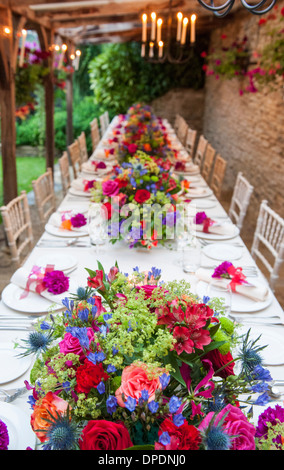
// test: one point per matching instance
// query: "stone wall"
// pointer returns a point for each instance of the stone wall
(247, 130)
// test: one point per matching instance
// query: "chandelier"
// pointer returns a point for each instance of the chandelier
(159, 46)
(222, 10)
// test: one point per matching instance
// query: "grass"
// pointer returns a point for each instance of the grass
(28, 169)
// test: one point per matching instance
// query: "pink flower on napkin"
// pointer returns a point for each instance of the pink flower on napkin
(78, 220)
(56, 282)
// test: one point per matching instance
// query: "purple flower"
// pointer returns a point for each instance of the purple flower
(4, 436)
(200, 217)
(78, 220)
(222, 270)
(271, 416)
(56, 282)
(101, 165)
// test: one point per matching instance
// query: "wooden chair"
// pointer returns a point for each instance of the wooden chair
(75, 158)
(177, 122)
(182, 130)
(65, 172)
(208, 161)
(200, 151)
(83, 147)
(17, 226)
(104, 122)
(190, 141)
(240, 200)
(44, 195)
(218, 174)
(95, 133)
(268, 241)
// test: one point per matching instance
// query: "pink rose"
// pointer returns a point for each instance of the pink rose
(136, 378)
(235, 424)
(70, 344)
(110, 188)
(132, 148)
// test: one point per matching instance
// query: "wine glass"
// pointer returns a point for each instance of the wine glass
(97, 225)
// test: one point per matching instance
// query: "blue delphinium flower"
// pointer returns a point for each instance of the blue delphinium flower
(165, 438)
(111, 404)
(83, 314)
(81, 334)
(130, 404)
(178, 419)
(174, 404)
(101, 388)
(164, 380)
(153, 406)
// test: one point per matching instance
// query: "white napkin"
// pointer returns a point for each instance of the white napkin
(256, 293)
(20, 278)
(196, 191)
(79, 184)
(56, 220)
(89, 167)
(220, 229)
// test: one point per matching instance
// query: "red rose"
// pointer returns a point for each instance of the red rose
(142, 195)
(108, 207)
(104, 435)
(184, 437)
(88, 376)
(219, 360)
(97, 281)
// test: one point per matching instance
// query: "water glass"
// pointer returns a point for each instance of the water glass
(97, 225)
(221, 289)
(191, 258)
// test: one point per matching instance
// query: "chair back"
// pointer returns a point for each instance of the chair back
(208, 161)
(240, 200)
(65, 172)
(200, 151)
(190, 141)
(83, 147)
(44, 195)
(268, 241)
(104, 122)
(177, 121)
(95, 133)
(182, 130)
(17, 226)
(218, 175)
(75, 158)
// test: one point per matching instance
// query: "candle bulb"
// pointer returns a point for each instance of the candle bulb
(184, 28)
(142, 50)
(22, 53)
(63, 49)
(144, 28)
(192, 30)
(179, 21)
(161, 44)
(77, 61)
(151, 49)
(159, 30)
(153, 28)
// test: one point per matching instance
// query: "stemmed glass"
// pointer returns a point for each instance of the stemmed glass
(97, 225)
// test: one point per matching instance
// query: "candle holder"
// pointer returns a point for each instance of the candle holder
(160, 47)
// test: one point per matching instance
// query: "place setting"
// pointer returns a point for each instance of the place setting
(82, 187)
(15, 429)
(97, 168)
(67, 224)
(213, 229)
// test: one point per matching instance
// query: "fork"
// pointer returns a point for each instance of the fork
(12, 394)
(257, 321)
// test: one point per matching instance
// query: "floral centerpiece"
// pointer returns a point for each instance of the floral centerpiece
(137, 186)
(134, 362)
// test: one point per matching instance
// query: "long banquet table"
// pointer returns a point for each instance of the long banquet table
(165, 259)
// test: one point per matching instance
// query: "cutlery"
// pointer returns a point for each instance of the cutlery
(16, 327)
(12, 394)
(62, 243)
(207, 242)
(274, 392)
(257, 321)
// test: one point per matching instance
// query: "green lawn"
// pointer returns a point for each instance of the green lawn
(28, 169)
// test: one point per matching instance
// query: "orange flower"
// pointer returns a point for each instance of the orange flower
(51, 403)
(66, 224)
(147, 147)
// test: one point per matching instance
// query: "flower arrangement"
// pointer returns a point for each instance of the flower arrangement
(255, 69)
(4, 436)
(137, 183)
(136, 363)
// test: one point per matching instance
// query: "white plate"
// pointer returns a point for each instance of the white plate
(213, 236)
(76, 192)
(187, 173)
(273, 354)
(207, 192)
(204, 203)
(11, 366)
(33, 303)
(223, 251)
(20, 432)
(61, 262)
(240, 303)
(52, 230)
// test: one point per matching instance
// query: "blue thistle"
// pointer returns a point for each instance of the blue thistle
(217, 439)
(63, 433)
(36, 343)
(250, 356)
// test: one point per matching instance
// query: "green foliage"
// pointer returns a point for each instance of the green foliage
(119, 77)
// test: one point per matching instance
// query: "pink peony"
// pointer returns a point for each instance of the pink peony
(235, 424)
(110, 188)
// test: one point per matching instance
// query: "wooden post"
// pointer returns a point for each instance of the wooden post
(8, 106)
(69, 106)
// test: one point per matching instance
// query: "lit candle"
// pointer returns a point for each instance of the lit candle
(144, 28)
(151, 50)
(184, 27)
(142, 50)
(22, 53)
(7, 31)
(179, 20)
(78, 54)
(161, 44)
(159, 30)
(63, 49)
(192, 30)
(153, 28)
